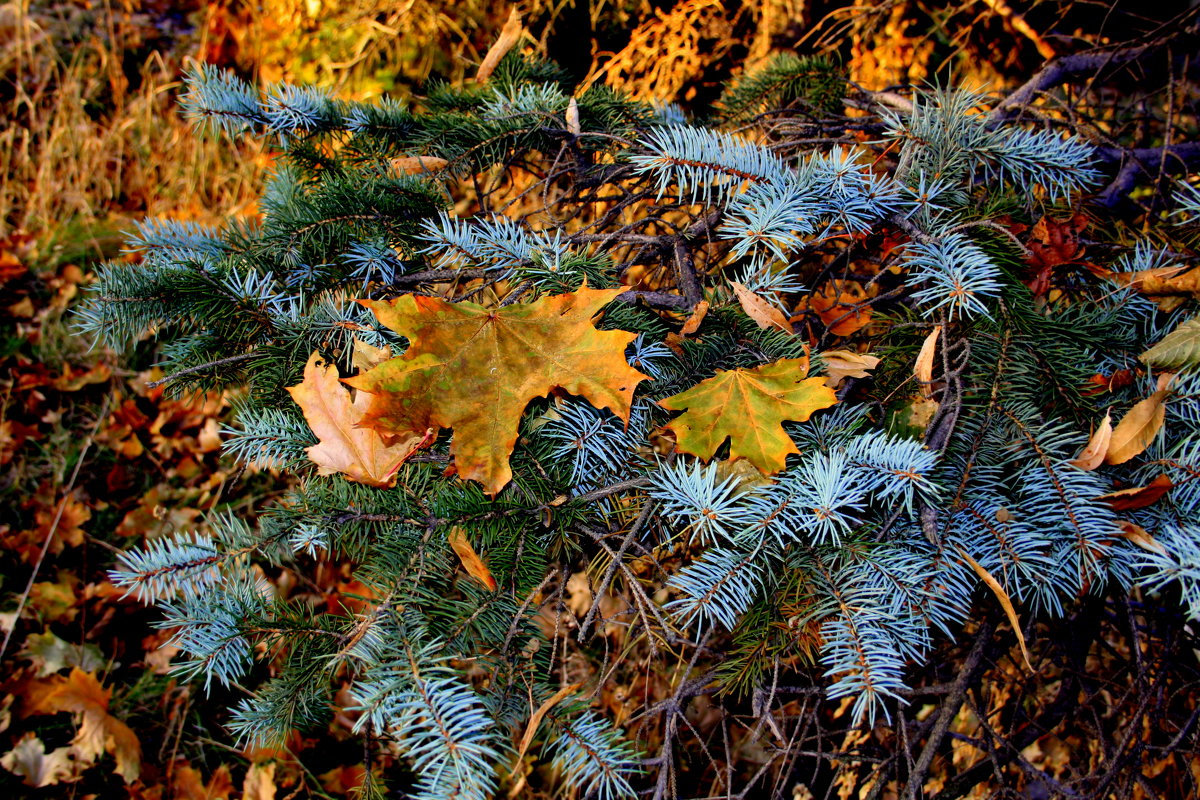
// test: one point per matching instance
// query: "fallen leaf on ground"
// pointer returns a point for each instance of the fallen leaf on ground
(358, 453)
(841, 307)
(692, 323)
(1139, 496)
(471, 561)
(1093, 454)
(510, 34)
(758, 309)
(1137, 428)
(417, 165)
(36, 767)
(748, 407)
(842, 364)
(531, 727)
(923, 369)
(259, 783)
(99, 731)
(474, 369)
(1138, 535)
(1178, 349)
(1005, 602)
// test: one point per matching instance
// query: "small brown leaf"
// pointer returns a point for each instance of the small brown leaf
(924, 366)
(1005, 602)
(1138, 535)
(759, 310)
(358, 453)
(842, 364)
(1138, 427)
(1138, 496)
(415, 165)
(471, 561)
(510, 34)
(1093, 454)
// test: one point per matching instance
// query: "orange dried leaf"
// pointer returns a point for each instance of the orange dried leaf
(359, 454)
(471, 561)
(417, 165)
(748, 407)
(510, 34)
(475, 369)
(841, 309)
(1139, 496)
(1137, 428)
(924, 366)
(692, 323)
(1093, 454)
(763, 313)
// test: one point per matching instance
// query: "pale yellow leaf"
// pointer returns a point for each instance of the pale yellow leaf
(367, 356)
(1005, 602)
(1093, 454)
(510, 34)
(573, 126)
(259, 783)
(759, 310)
(842, 364)
(1138, 427)
(924, 366)
(30, 761)
(360, 454)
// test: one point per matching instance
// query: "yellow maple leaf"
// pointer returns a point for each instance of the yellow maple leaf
(748, 407)
(474, 369)
(359, 454)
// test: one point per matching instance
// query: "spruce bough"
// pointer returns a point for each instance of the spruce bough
(855, 558)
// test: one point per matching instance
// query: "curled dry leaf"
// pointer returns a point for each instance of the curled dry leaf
(358, 453)
(30, 761)
(416, 165)
(842, 364)
(573, 126)
(1005, 601)
(1138, 535)
(692, 323)
(1137, 429)
(1139, 496)
(924, 366)
(531, 730)
(510, 34)
(471, 561)
(1093, 454)
(758, 309)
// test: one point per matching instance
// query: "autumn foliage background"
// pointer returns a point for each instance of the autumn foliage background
(94, 457)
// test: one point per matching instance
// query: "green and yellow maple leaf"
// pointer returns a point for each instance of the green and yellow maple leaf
(748, 407)
(474, 369)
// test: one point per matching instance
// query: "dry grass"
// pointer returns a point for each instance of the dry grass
(85, 142)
